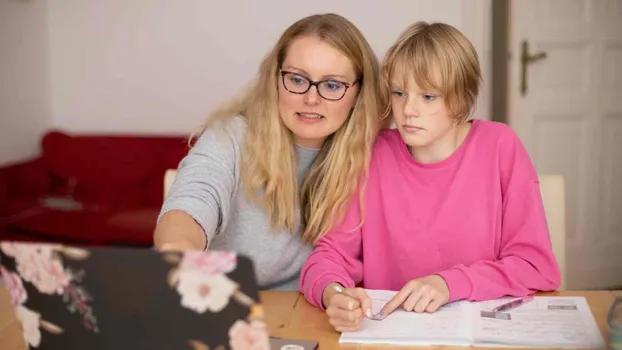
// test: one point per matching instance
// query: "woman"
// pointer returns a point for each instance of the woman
(453, 208)
(303, 129)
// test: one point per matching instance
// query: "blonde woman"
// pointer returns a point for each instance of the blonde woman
(453, 207)
(272, 170)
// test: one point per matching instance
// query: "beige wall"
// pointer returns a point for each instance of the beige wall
(160, 65)
(24, 109)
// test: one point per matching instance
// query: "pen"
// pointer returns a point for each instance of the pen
(339, 289)
(513, 304)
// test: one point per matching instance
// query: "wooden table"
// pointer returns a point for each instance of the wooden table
(308, 322)
(290, 316)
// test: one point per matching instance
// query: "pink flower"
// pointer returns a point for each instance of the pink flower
(30, 321)
(201, 281)
(208, 263)
(23, 250)
(14, 285)
(249, 336)
(37, 264)
(201, 293)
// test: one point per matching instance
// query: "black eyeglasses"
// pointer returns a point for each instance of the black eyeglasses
(329, 89)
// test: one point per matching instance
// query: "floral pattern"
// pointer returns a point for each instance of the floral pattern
(201, 281)
(252, 335)
(37, 264)
(41, 265)
(199, 278)
(14, 285)
(30, 321)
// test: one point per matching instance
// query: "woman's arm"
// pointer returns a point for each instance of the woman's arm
(177, 230)
(199, 201)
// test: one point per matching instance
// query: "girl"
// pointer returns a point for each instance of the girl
(453, 208)
(261, 178)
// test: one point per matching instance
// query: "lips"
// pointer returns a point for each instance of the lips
(412, 127)
(310, 115)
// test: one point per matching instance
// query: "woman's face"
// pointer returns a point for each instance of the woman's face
(313, 112)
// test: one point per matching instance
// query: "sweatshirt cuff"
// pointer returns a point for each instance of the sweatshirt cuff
(320, 284)
(458, 282)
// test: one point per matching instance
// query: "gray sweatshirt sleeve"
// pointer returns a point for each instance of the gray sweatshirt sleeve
(207, 177)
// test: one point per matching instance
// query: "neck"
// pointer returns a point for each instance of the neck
(442, 148)
(312, 144)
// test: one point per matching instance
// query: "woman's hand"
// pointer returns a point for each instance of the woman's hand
(176, 246)
(424, 294)
(346, 307)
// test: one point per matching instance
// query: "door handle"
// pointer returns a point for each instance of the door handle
(525, 59)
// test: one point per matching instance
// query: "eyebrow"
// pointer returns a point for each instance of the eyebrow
(330, 76)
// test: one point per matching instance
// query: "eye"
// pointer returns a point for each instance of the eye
(297, 79)
(429, 97)
(397, 93)
(333, 85)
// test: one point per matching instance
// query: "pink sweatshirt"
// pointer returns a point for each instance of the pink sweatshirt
(475, 218)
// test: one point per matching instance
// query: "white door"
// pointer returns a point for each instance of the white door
(569, 115)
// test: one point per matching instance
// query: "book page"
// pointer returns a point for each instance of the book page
(450, 325)
(551, 322)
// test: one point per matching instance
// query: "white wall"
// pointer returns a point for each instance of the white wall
(160, 66)
(24, 109)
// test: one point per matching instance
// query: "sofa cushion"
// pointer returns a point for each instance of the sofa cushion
(99, 169)
(132, 227)
(71, 226)
(116, 180)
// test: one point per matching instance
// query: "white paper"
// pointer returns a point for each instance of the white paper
(450, 325)
(548, 322)
(552, 322)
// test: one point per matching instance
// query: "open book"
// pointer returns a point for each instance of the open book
(548, 322)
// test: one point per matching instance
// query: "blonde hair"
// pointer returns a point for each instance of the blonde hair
(269, 171)
(424, 48)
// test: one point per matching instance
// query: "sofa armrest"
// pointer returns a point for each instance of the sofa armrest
(26, 179)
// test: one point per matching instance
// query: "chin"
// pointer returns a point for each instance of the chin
(414, 141)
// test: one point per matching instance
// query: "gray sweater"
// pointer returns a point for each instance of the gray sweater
(208, 188)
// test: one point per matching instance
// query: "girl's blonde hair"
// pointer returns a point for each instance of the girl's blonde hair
(423, 49)
(269, 164)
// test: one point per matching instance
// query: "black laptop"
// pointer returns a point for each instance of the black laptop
(125, 298)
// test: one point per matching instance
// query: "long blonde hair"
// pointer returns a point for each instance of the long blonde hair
(269, 162)
(423, 47)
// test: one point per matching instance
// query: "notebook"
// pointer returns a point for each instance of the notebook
(126, 298)
(546, 322)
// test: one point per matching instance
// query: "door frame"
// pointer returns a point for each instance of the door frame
(500, 38)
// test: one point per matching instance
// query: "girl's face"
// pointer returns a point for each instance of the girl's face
(421, 116)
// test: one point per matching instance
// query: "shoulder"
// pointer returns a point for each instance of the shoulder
(386, 140)
(491, 135)
(228, 133)
(386, 149)
(511, 155)
(495, 131)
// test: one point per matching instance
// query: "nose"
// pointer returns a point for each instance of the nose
(312, 97)
(411, 107)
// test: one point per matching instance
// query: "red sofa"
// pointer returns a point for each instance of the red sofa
(88, 189)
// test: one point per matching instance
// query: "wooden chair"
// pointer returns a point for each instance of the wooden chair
(552, 189)
(169, 178)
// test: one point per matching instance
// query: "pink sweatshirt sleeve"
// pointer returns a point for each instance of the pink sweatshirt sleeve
(526, 262)
(335, 258)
